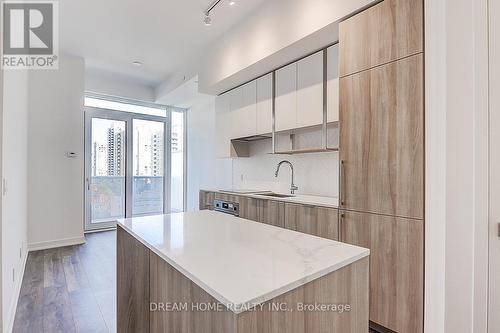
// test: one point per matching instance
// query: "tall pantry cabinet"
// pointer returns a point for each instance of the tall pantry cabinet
(382, 155)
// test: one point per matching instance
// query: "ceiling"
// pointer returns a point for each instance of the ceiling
(165, 35)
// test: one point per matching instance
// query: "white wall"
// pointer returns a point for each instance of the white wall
(315, 174)
(204, 171)
(56, 126)
(15, 198)
(279, 30)
(1, 177)
(102, 82)
(456, 171)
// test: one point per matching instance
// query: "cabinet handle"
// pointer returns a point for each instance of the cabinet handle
(341, 225)
(342, 183)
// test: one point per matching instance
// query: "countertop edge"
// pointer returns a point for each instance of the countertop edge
(251, 303)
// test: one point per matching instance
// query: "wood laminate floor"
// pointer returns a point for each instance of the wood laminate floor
(70, 289)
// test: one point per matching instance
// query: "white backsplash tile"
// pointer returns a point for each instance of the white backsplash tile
(315, 174)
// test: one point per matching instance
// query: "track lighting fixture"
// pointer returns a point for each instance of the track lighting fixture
(207, 19)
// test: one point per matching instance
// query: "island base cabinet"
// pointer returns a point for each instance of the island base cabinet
(132, 283)
(178, 303)
(152, 296)
(347, 287)
(396, 267)
(345, 290)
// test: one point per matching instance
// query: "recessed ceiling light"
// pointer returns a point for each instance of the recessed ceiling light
(207, 20)
(232, 2)
(137, 63)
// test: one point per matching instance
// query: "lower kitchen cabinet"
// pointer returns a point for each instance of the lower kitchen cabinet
(207, 200)
(249, 208)
(271, 212)
(396, 267)
(313, 220)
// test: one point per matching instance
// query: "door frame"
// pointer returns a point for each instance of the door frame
(127, 117)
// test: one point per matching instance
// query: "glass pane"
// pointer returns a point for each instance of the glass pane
(177, 181)
(107, 183)
(148, 167)
(110, 105)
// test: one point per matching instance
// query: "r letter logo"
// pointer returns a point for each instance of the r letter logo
(30, 34)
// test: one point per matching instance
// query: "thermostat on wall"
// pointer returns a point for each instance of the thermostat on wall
(71, 154)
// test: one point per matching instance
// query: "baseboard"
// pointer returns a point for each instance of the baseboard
(56, 243)
(15, 296)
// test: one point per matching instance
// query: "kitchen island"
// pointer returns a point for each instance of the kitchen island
(211, 272)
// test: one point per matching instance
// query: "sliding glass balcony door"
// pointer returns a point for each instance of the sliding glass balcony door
(126, 165)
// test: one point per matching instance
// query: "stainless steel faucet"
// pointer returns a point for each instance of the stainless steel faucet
(293, 188)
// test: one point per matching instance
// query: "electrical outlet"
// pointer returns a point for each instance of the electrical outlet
(20, 252)
(13, 274)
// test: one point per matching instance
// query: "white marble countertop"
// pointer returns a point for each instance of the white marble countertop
(331, 202)
(241, 263)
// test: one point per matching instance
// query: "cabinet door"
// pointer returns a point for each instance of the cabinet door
(388, 31)
(244, 112)
(310, 90)
(206, 200)
(317, 221)
(249, 208)
(396, 267)
(132, 271)
(382, 139)
(332, 83)
(285, 116)
(272, 212)
(265, 104)
(223, 125)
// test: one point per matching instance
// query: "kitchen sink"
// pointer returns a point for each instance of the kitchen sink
(276, 195)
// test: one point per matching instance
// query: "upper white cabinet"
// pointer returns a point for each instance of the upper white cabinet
(333, 83)
(310, 91)
(223, 125)
(244, 110)
(286, 98)
(265, 104)
(299, 93)
(299, 89)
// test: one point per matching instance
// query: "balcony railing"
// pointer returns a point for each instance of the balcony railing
(108, 196)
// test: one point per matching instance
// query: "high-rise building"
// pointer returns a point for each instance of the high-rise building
(99, 165)
(157, 152)
(115, 152)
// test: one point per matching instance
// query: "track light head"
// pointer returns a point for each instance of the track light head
(207, 20)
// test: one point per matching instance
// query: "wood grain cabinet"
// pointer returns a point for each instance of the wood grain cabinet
(388, 31)
(382, 139)
(206, 200)
(396, 267)
(313, 220)
(271, 212)
(132, 271)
